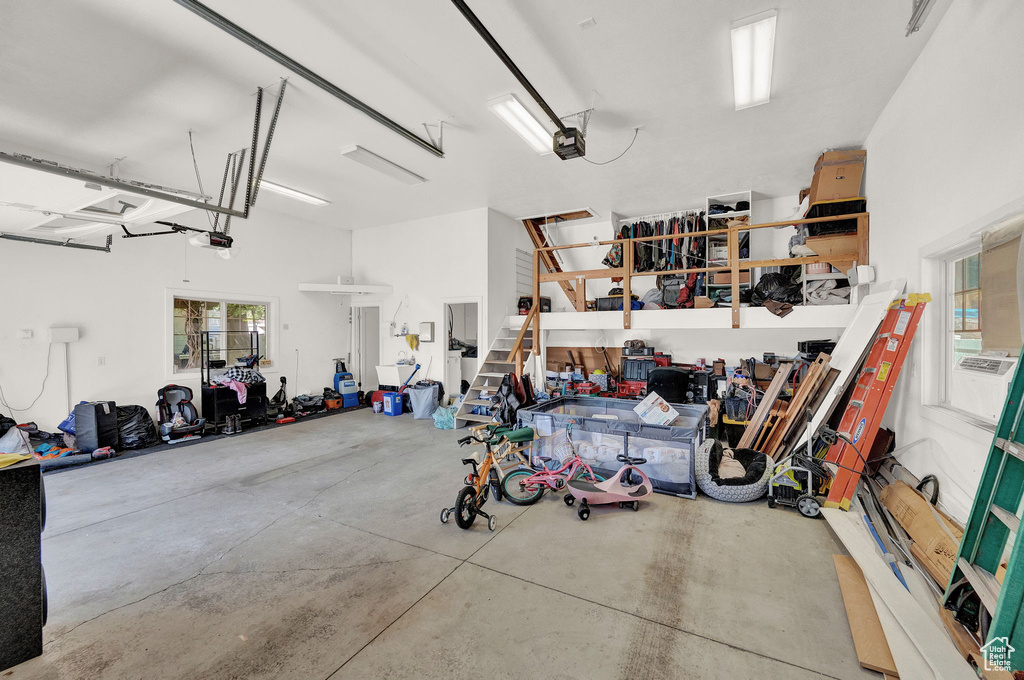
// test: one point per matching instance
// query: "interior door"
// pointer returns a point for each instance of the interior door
(367, 335)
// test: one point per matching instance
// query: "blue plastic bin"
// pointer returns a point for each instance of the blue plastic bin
(392, 403)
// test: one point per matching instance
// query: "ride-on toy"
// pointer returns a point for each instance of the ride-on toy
(485, 475)
(526, 486)
(622, 488)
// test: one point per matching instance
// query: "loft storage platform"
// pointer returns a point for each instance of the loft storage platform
(842, 251)
(753, 318)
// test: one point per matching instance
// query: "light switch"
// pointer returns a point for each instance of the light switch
(25, 334)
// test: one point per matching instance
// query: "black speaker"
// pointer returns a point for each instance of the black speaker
(681, 385)
(23, 593)
(671, 384)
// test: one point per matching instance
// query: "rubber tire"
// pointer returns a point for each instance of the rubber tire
(466, 497)
(771, 502)
(444, 516)
(496, 490)
(808, 506)
(511, 497)
(492, 523)
(569, 499)
(636, 506)
(584, 512)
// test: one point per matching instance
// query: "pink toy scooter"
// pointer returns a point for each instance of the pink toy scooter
(615, 490)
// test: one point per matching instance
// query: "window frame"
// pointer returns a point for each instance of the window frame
(936, 260)
(970, 249)
(272, 325)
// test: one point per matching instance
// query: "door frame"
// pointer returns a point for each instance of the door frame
(356, 346)
(480, 331)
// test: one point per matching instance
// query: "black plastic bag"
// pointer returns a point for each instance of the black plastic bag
(778, 287)
(6, 424)
(135, 427)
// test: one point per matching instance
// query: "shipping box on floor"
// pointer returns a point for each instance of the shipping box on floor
(838, 174)
(936, 537)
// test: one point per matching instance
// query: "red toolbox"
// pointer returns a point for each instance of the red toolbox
(586, 387)
(631, 388)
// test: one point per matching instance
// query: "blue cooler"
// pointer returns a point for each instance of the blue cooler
(392, 403)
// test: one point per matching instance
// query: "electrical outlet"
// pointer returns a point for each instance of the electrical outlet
(25, 334)
(284, 326)
(102, 361)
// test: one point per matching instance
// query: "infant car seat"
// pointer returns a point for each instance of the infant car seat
(174, 400)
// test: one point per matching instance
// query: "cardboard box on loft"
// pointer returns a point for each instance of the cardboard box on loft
(838, 174)
(726, 277)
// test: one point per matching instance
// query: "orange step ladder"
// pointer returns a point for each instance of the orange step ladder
(870, 396)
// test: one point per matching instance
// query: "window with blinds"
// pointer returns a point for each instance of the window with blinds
(999, 303)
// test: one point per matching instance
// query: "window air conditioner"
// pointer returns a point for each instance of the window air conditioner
(979, 385)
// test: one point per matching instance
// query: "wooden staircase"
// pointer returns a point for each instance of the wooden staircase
(506, 355)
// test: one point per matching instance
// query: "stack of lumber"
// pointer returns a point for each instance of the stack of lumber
(776, 424)
(893, 631)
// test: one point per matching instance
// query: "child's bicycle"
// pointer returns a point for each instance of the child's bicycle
(526, 486)
(487, 474)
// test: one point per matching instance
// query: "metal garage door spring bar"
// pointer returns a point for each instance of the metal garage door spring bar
(327, 86)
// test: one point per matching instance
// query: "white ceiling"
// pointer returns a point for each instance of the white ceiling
(88, 81)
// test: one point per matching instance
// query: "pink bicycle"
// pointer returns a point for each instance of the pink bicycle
(525, 487)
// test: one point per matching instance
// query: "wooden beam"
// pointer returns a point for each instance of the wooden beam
(549, 249)
(806, 220)
(689, 234)
(868, 636)
(586, 273)
(536, 308)
(517, 345)
(627, 273)
(539, 241)
(797, 260)
(692, 270)
(778, 383)
(862, 239)
(734, 266)
(581, 293)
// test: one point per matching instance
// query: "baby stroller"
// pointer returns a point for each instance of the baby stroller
(179, 419)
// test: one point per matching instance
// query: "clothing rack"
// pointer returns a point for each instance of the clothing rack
(660, 216)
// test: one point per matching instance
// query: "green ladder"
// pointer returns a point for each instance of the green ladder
(994, 522)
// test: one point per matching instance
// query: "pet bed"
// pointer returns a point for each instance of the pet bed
(749, 487)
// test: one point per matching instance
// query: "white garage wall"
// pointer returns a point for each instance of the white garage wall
(426, 261)
(119, 303)
(946, 150)
(466, 256)
(504, 236)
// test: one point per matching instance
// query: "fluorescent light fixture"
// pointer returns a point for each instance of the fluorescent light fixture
(753, 50)
(292, 193)
(514, 114)
(382, 165)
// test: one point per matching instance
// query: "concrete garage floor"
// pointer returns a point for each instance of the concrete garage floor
(315, 551)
